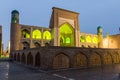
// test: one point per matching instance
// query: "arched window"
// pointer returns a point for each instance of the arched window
(25, 34)
(82, 39)
(67, 40)
(47, 35)
(36, 34)
(26, 45)
(37, 44)
(88, 39)
(95, 40)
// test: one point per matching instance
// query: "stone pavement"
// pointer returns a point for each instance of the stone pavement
(13, 71)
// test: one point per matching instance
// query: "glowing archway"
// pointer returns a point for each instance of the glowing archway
(47, 35)
(36, 34)
(66, 35)
(88, 39)
(82, 39)
(95, 40)
(25, 34)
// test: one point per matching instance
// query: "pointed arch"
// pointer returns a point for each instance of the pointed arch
(37, 44)
(18, 57)
(61, 61)
(15, 56)
(95, 59)
(67, 34)
(107, 59)
(36, 34)
(116, 58)
(29, 59)
(25, 33)
(37, 60)
(26, 45)
(80, 60)
(23, 58)
(47, 35)
(88, 39)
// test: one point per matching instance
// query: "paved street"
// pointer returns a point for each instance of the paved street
(13, 71)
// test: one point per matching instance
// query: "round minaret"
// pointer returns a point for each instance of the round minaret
(15, 32)
(100, 37)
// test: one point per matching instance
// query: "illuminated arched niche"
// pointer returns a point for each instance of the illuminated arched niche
(82, 39)
(36, 34)
(88, 39)
(95, 40)
(66, 35)
(47, 35)
(25, 34)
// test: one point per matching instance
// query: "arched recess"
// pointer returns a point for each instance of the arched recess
(15, 56)
(25, 34)
(37, 60)
(66, 35)
(95, 59)
(88, 39)
(29, 59)
(116, 58)
(26, 45)
(47, 35)
(23, 58)
(82, 38)
(107, 58)
(36, 34)
(95, 40)
(61, 61)
(80, 60)
(36, 44)
(18, 57)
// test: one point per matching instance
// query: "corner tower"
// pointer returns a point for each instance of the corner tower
(15, 31)
(100, 37)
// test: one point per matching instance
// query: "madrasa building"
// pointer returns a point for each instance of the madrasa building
(62, 45)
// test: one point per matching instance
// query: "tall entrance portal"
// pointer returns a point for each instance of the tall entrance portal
(66, 35)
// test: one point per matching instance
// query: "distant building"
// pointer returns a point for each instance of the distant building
(68, 46)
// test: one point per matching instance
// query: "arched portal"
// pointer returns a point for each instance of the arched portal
(47, 35)
(29, 59)
(66, 35)
(18, 57)
(23, 58)
(107, 58)
(80, 60)
(36, 34)
(95, 60)
(25, 34)
(15, 56)
(61, 61)
(37, 60)
(26, 45)
(116, 58)
(37, 44)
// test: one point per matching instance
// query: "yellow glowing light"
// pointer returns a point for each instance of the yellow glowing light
(66, 35)
(95, 40)
(47, 35)
(67, 40)
(88, 39)
(36, 34)
(25, 34)
(65, 28)
(82, 39)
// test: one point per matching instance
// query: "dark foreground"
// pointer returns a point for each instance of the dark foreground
(13, 71)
